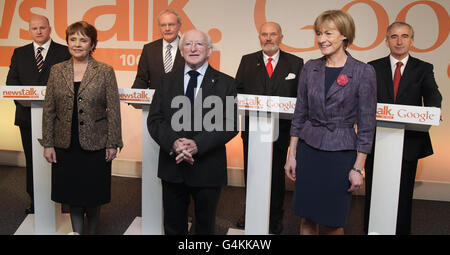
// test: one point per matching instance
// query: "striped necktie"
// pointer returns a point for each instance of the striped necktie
(168, 59)
(39, 59)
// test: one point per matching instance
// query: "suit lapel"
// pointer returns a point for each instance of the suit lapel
(91, 72)
(280, 68)
(49, 57)
(318, 73)
(159, 53)
(347, 71)
(261, 73)
(67, 73)
(386, 75)
(407, 75)
(32, 58)
(208, 82)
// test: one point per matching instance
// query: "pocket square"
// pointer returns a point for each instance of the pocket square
(290, 76)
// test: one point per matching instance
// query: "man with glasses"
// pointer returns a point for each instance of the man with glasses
(160, 56)
(192, 158)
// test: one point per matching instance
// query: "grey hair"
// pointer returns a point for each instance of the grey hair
(170, 11)
(208, 39)
(399, 24)
(271, 22)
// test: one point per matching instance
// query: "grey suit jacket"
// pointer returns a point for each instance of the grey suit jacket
(98, 107)
(327, 121)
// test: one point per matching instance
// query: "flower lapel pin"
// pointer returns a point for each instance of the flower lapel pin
(342, 80)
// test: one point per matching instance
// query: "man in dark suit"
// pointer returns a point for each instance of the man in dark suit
(403, 79)
(30, 66)
(271, 72)
(160, 56)
(192, 157)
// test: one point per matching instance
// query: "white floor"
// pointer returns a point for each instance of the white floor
(27, 227)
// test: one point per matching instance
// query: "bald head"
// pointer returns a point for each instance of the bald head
(39, 28)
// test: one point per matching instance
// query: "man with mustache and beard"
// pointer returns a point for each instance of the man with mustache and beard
(270, 72)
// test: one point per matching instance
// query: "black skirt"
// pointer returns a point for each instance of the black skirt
(321, 185)
(80, 177)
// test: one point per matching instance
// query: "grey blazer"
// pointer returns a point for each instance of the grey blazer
(98, 107)
(327, 122)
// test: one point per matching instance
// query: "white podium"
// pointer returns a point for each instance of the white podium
(392, 120)
(151, 222)
(264, 112)
(47, 218)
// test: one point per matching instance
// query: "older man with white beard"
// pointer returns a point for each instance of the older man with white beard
(270, 72)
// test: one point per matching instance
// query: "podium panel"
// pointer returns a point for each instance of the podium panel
(47, 217)
(392, 120)
(151, 222)
(259, 174)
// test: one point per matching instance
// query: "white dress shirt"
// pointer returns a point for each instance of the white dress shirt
(201, 70)
(46, 46)
(394, 64)
(173, 50)
(275, 59)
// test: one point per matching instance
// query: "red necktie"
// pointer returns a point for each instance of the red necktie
(397, 76)
(269, 67)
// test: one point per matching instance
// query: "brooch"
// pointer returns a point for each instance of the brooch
(342, 80)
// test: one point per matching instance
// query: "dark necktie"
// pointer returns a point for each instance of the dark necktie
(397, 76)
(192, 84)
(269, 67)
(39, 59)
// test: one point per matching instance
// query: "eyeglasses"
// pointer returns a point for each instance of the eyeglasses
(170, 25)
(189, 44)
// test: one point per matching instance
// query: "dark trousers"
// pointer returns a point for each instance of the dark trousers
(279, 155)
(407, 180)
(25, 134)
(176, 197)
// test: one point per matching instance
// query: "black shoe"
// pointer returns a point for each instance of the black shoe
(241, 222)
(30, 210)
(276, 228)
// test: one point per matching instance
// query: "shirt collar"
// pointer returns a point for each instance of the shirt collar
(394, 61)
(174, 43)
(201, 70)
(275, 57)
(45, 45)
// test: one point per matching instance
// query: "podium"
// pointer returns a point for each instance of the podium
(47, 218)
(151, 222)
(264, 112)
(392, 120)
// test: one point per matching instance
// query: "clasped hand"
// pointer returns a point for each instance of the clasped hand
(185, 150)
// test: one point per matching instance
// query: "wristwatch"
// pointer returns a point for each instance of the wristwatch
(360, 171)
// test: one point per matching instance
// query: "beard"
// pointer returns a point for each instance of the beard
(269, 47)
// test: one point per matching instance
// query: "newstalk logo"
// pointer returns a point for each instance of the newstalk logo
(23, 93)
(385, 113)
(135, 96)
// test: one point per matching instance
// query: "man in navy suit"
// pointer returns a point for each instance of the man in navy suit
(270, 72)
(30, 66)
(403, 79)
(192, 158)
(160, 56)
